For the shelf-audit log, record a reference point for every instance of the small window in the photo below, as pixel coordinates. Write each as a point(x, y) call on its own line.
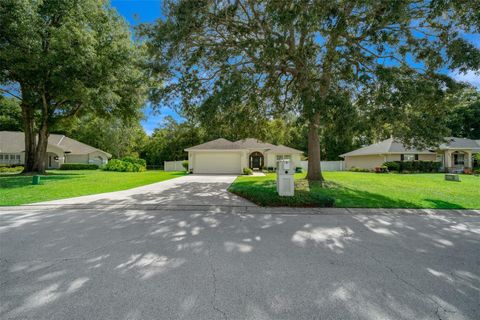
point(17, 157)
point(284, 157)
point(1, 156)
point(408, 157)
point(12, 157)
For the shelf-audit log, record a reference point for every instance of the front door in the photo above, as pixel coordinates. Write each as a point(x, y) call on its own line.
point(256, 160)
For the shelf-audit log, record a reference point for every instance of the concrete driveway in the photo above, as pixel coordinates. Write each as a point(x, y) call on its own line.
point(187, 190)
point(112, 262)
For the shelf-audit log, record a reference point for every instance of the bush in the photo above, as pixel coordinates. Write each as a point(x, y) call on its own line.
point(270, 169)
point(185, 165)
point(78, 166)
point(127, 164)
point(247, 171)
point(298, 170)
point(11, 169)
point(353, 169)
point(415, 166)
point(392, 166)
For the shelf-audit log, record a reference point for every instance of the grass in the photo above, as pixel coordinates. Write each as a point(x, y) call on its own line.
point(367, 190)
point(18, 189)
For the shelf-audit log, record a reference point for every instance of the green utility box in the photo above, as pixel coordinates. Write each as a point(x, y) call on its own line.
point(36, 180)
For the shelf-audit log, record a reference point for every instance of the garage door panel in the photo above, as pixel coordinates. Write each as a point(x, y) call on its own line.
point(216, 162)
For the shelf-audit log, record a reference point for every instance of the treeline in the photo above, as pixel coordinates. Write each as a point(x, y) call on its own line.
point(124, 138)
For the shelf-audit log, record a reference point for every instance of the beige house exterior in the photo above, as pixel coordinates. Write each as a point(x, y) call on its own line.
point(455, 154)
point(222, 156)
point(60, 149)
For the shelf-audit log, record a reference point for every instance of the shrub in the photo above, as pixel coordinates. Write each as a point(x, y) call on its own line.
point(418, 166)
point(353, 169)
point(298, 169)
point(392, 166)
point(247, 171)
point(78, 166)
point(476, 171)
point(270, 169)
point(127, 164)
point(11, 169)
point(135, 161)
point(185, 165)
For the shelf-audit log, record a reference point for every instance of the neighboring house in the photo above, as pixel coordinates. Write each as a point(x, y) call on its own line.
point(60, 149)
point(454, 154)
point(223, 156)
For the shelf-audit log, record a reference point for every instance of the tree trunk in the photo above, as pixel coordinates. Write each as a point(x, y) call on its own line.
point(41, 150)
point(314, 169)
point(30, 139)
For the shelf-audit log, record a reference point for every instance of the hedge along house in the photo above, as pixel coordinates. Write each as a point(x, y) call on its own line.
point(222, 156)
point(455, 154)
point(60, 149)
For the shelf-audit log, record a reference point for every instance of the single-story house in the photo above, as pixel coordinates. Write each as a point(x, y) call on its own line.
point(60, 149)
point(454, 154)
point(224, 156)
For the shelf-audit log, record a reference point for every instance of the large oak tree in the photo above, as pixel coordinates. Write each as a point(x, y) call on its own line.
point(64, 58)
point(299, 54)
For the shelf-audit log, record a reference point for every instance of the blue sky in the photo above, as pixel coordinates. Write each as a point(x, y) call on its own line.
point(139, 11)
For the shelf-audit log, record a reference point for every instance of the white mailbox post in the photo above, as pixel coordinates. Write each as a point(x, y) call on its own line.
point(285, 179)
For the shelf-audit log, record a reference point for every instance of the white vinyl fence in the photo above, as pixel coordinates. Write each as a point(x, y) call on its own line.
point(327, 165)
point(173, 165)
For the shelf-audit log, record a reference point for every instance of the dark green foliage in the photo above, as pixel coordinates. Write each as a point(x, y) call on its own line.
point(185, 165)
point(417, 166)
point(353, 169)
point(78, 166)
point(298, 170)
point(392, 166)
point(247, 171)
point(10, 114)
point(127, 164)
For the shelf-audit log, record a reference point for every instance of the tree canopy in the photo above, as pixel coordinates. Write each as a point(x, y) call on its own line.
point(66, 58)
point(277, 56)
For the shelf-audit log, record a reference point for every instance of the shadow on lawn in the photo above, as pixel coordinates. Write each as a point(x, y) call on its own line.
point(20, 180)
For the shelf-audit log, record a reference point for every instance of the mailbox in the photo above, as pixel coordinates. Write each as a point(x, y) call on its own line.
point(285, 178)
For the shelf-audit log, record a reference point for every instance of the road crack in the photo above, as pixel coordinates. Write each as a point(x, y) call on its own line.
point(214, 284)
point(438, 306)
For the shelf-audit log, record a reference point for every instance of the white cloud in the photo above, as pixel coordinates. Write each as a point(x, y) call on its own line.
point(471, 77)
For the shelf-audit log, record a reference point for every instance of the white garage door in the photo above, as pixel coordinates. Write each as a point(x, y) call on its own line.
point(217, 162)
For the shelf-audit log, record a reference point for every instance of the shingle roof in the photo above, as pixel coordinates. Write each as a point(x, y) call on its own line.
point(386, 146)
point(393, 146)
point(249, 143)
point(454, 143)
point(14, 141)
point(218, 144)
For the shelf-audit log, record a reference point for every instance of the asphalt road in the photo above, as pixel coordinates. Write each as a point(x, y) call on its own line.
point(180, 262)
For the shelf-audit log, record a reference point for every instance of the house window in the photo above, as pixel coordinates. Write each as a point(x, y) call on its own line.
point(12, 157)
point(459, 159)
point(284, 157)
point(409, 157)
point(1, 156)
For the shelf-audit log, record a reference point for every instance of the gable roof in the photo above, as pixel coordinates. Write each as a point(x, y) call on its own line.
point(249, 143)
point(393, 146)
point(14, 142)
point(217, 144)
point(462, 143)
point(386, 146)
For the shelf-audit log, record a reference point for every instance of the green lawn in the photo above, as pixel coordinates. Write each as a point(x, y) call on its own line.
point(368, 190)
point(59, 184)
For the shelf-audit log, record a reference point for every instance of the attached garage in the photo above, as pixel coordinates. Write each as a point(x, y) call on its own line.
point(217, 162)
